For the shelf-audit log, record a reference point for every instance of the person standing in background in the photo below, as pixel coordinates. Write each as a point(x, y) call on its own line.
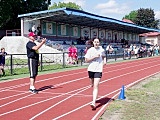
point(74, 54)
point(38, 32)
point(2, 61)
point(34, 29)
point(33, 59)
point(96, 58)
point(70, 57)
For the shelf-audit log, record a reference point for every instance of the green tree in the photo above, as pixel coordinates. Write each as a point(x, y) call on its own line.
point(68, 5)
point(158, 23)
point(146, 18)
point(131, 16)
point(10, 9)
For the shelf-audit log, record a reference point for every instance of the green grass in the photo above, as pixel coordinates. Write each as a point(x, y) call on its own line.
point(23, 72)
point(20, 66)
point(141, 103)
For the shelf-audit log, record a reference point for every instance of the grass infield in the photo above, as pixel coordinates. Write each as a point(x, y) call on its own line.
point(142, 102)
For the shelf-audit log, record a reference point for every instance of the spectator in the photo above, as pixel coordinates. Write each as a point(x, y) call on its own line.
point(156, 49)
point(70, 57)
point(59, 47)
point(64, 43)
point(38, 31)
point(109, 49)
point(74, 54)
point(2, 61)
point(141, 51)
point(150, 50)
point(136, 49)
point(34, 29)
point(126, 52)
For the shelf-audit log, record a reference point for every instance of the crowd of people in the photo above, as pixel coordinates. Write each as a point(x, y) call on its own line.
point(140, 51)
point(136, 50)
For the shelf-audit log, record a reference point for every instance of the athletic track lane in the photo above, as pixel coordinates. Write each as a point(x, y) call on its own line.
point(67, 95)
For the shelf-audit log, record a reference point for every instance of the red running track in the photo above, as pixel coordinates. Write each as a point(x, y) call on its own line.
point(67, 95)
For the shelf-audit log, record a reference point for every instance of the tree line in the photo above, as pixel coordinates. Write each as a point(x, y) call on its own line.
point(143, 17)
point(10, 9)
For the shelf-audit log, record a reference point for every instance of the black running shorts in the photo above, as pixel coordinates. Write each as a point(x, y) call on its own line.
point(33, 67)
point(94, 74)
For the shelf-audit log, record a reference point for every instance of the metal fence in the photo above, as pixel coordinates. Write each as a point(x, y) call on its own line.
point(17, 63)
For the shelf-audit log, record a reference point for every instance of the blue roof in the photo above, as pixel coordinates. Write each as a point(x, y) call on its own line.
point(82, 18)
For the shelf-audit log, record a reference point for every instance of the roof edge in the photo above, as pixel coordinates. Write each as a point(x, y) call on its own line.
point(40, 12)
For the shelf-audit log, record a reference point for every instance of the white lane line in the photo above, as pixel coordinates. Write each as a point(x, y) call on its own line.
point(104, 106)
point(94, 118)
point(15, 100)
point(32, 94)
point(74, 80)
point(83, 105)
point(61, 84)
point(20, 85)
point(141, 69)
point(100, 83)
point(53, 87)
point(64, 71)
point(58, 103)
point(126, 86)
point(66, 75)
point(65, 83)
point(51, 94)
point(42, 101)
point(24, 92)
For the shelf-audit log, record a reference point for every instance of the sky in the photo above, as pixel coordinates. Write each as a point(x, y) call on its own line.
point(116, 9)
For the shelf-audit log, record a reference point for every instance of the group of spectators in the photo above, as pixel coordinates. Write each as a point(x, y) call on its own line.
point(136, 50)
point(141, 51)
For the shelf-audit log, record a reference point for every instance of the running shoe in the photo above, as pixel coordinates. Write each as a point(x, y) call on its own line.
point(33, 91)
point(93, 106)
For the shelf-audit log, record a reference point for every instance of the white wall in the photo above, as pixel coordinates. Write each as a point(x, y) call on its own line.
point(17, 45)
point(153, 40)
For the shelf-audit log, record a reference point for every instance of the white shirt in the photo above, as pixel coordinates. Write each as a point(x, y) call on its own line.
point(109, 47)
point(95, 65)
point(136, 51)
point(33, 29)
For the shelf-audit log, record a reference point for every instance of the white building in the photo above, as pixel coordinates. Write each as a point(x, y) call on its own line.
point(152, 38)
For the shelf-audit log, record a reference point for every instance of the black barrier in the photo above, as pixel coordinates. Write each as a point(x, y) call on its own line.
point(11, 64)
point(41, 62)
point(16, 62)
